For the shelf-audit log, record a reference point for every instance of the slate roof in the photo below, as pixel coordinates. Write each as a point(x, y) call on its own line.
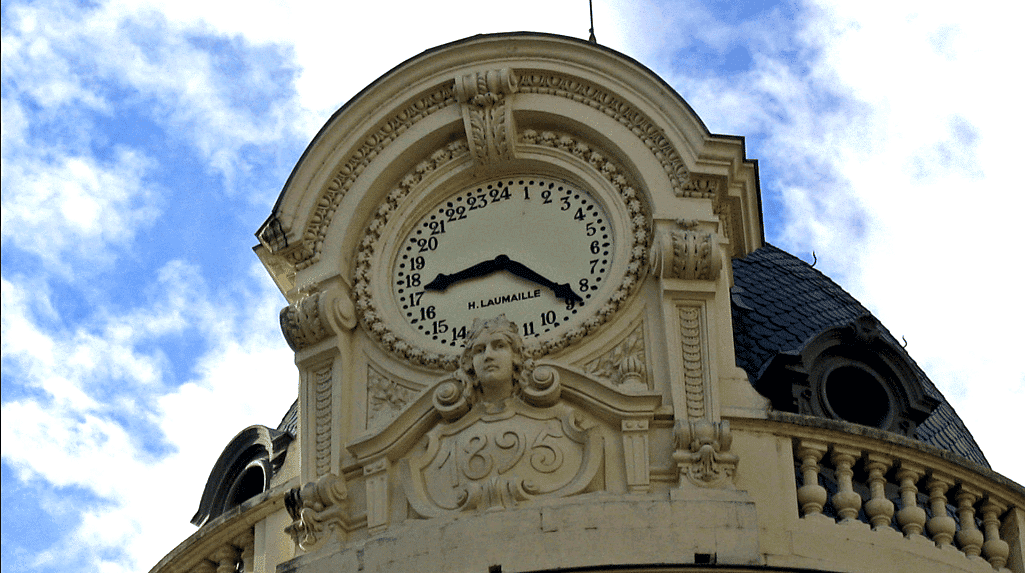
point(780, 303)
point(290, 422)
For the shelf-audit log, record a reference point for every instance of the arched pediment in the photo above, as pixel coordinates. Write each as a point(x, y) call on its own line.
point(487, 92)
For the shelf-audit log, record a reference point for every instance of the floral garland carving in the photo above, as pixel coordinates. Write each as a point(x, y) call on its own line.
point(640, 124)
point(312, 239)
point(366, 307)
point(640, 235)
point(639, 223)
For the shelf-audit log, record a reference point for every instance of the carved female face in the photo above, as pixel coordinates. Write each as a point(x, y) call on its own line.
point(493, 364)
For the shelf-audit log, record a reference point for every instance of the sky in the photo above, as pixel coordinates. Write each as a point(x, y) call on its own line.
point(144, 142)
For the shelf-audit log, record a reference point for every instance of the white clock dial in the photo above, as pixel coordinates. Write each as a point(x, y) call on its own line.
point(537, 249)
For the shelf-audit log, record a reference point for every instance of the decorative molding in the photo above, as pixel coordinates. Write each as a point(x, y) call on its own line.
point(317, 316)
point(323, 387)
point(701, 186)
point(693, 361)
point(386, 398)
point(625, 365)
point(702, 453)
point(686, 253)
point(489, 128)
point(307, 252)
point(315, 507)
point(548, 83)
point(487, 114)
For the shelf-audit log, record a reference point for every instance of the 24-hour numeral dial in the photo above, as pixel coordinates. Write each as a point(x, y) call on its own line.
point(536, 249)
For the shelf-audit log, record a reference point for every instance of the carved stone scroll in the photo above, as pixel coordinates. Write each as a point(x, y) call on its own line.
point(316, 317)
point(688, 254)
point(702, 453)
point(316, 507)
point(487, 114)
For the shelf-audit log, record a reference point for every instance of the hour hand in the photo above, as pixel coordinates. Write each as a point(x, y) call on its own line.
point(443, 281)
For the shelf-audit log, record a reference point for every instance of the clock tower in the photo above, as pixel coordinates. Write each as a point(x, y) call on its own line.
point(521, 275)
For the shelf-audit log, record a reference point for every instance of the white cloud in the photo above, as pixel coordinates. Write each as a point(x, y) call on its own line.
point(219, 93)
point(72, 435)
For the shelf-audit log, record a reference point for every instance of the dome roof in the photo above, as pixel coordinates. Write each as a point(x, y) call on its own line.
point(781, 304)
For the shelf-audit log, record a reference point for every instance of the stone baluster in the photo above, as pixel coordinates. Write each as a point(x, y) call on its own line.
point(878, 509)
point(846, 501)
point(226, 557)
point(247, 544)
point(911, 517)
point(941, 527)
point(970, 538)
point(811, 496)
point(994, 549)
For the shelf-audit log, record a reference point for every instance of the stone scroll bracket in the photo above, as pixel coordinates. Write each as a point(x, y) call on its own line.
point(484, 98)
point(316, 316)
point(703, 453)
point(317, 327)
point(702, 438)
point(687, 251)
point(319, 510)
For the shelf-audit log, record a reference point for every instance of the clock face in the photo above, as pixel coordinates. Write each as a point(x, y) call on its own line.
point(536, 249)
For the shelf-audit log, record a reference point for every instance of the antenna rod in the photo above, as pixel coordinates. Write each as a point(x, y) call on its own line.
point(590, 6)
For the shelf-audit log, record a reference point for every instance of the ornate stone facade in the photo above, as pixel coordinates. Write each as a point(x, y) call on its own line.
point(629, 439)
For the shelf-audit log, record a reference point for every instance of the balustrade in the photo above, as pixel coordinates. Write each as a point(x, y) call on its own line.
point(952, 512)
point(234, 557)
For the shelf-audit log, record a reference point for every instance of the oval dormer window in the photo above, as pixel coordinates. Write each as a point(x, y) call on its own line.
point(856, 394)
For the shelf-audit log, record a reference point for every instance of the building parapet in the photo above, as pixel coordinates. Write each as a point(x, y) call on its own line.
point(861, 477)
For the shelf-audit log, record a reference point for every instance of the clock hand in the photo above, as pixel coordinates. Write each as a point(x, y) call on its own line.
point(443, 281)
point(499, 263)
point(563, 291)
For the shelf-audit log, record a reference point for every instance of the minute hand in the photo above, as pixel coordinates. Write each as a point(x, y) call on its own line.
point(563, 291)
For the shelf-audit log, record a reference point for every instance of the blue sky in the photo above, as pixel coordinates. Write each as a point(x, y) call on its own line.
point(144, 142)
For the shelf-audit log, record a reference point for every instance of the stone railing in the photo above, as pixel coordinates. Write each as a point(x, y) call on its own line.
point(225, 544)
point(861, 477)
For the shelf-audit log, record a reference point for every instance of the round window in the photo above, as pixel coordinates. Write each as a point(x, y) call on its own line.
point(855, 394)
